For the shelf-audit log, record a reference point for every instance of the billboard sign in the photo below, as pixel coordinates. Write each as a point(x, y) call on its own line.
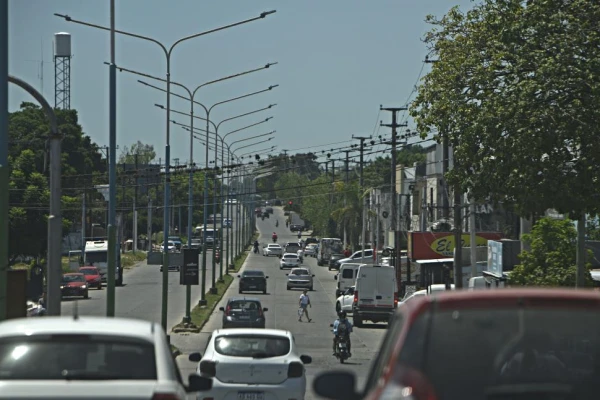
point(495, 257)
point(433, 245)
point(189, 273)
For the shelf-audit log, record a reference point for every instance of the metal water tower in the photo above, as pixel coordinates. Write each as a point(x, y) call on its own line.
point(62, 70)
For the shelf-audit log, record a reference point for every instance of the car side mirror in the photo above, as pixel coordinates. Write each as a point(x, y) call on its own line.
point(339, 385)
point(266, 277)
point(239, 276)
point(265, 309)
point(331, 325)
point(195, 357)
point(287, 274)
point(221, 308)
point(305, 359)
point(313, 275)
point(197, 383)
point(335, 277)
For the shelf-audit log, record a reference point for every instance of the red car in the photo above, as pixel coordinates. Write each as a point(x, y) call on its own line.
point(92, 276)
point(484, 344)
point(74, 285)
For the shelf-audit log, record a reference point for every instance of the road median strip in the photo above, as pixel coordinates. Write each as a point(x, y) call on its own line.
point(201, 314)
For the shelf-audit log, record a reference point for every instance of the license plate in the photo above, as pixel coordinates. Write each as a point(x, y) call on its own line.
point(251, 396)
point(244, 317)
point(252, 287)
point(342, 346)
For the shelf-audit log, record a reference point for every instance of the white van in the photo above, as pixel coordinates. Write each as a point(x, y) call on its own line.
point(346, 277)
point(376, 294)
point(477, 283)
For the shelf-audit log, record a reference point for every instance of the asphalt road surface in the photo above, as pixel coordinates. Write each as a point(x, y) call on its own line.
point(141, 294)
point(314, 338)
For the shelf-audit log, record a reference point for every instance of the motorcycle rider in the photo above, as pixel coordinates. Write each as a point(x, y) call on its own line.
point(342, 327)
point(256, 246)
point(276, 223)
point(274, 237)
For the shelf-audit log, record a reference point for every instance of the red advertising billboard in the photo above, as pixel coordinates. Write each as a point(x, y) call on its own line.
point(432, 245)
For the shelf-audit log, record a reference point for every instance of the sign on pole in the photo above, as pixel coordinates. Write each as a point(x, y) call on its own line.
point(189, 272)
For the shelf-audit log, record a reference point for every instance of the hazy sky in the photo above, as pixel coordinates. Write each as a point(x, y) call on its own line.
point(338, 61)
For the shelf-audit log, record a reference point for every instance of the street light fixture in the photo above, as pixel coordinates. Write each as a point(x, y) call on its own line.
point(110, 302)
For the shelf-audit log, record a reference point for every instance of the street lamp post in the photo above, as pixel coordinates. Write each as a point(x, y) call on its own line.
point(110, 302)
point(192, 94)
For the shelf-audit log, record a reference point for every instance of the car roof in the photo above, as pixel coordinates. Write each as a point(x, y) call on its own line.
point(274, 245)
point(252, 331)
point(82, 325)
point(84, 267)
point(297, 268)
point(290, 254)
point(73, 273)
point(499, 298)
point(242, 298)
point(252, 270)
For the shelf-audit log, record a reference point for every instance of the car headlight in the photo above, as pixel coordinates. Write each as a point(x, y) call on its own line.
point(83, 286)
point(62, 286)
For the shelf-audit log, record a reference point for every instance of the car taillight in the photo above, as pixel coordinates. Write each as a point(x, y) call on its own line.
point(208, 368)
point(227, 310)
point(295, 370)
point(356, 296)
point(165, 396)
point(395, 299)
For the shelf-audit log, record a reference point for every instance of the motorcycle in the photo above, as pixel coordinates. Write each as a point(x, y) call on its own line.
point(341, 349)
point(274, 239)
point(277, 223)
point(255, 249)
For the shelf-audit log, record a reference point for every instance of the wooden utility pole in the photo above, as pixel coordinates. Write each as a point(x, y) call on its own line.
point(361, 184)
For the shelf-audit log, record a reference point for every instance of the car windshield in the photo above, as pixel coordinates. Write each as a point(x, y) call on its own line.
point(290, 256)
point(89, 271)
point(255, 346)
point(300, 272)
point(503, 352)
point(253, 273)
point(247, 305)
point(73, 278)
point(274, 246)
point(76, 357)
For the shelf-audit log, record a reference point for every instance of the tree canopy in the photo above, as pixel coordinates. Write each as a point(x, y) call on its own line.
point(552, 258)
point(516, 90)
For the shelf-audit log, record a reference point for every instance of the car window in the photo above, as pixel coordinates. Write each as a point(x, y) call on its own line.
point(290, 256)
point(300, 272)
point(89, 271)
point(253, 273)
point(503, 350)
point(348, 273)
point(73, 278)
point(255, 346)
point(59, 357)
point(244, 305)
point(385, 351)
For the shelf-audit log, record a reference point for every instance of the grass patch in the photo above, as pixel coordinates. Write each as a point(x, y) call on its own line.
point(129, 259)
point(200, 315)
point(175, 351)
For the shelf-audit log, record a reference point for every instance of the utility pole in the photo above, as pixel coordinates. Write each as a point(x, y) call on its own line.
point(394, 125)
point(135, 200)
point(458, 282)
point(361, 184)
point(346, 183)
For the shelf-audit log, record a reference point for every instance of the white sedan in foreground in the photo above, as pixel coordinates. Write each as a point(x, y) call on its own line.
point(89, 357)
point(272, 250)
point(252, 364)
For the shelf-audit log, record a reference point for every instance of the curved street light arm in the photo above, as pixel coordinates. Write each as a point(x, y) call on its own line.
point(253, 137)
point(131, 71)
point(255, 152)
point(246, 127)
point(245, 114)
point(242, 97)
point(253, 144)
point(266, 66)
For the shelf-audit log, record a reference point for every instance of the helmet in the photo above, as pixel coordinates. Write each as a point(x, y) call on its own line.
point(342, 314)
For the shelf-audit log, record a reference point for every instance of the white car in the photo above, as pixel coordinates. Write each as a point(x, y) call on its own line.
point(310, 250)
point(272, 250)
point(252, 364)
point(345, 301)
point(170, 246)
point(300, 278)
point(89, 357)
point(289, 260)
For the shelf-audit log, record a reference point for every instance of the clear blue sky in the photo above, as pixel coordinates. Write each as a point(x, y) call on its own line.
point(338, 61)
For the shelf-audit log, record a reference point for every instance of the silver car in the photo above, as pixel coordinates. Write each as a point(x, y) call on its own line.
point(300, 278)
point(272, 250)
point(289, 260)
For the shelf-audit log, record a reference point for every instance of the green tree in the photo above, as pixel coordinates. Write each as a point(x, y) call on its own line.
point(551, 261)
point(29, 195)
point(516, 91)
point(145, 154)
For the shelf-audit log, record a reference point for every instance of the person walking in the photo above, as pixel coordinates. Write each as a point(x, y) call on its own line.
point(304, 303)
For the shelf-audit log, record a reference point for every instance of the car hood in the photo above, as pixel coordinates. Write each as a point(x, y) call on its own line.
point(343, 260)
point(73, 284)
